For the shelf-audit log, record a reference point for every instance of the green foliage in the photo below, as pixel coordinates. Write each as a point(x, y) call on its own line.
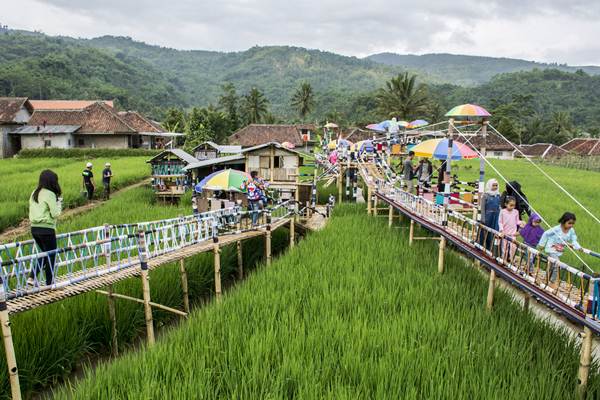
point(255, 106)
point(352, 312)
point(204, 124)
point(85, 153)
point(303, 99)
point(229, 103)
point(403, 98)
point(174, 120)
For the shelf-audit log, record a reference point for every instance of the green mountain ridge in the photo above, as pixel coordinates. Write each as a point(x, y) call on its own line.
point(469, 70)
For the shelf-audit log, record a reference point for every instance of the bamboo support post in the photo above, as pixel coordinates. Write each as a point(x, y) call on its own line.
point(112, 313)
point(442, 247)
point(184, 286)
point(491, 288)
point(145, 286)
point(9, 349)
point(584, 362)
point(526, 302)
point(141, 301)
point(411, 232)
point(340, 184)
point(217, 255)
point(391, 216)
point(292, 233)
point(369, 197)
point(240, 260)
point(268, 245)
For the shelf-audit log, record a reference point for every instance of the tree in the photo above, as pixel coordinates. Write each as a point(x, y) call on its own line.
point(561, 127)
point(205, 124)
point(304, 99)
point(228, 102)
point(254, 105)
point(402, 97)
point(174, 120)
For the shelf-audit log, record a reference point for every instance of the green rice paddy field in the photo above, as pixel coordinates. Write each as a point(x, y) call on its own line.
point(20, 177)
point(351, 312)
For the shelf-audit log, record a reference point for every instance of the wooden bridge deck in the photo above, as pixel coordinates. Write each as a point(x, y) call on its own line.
point(30, 301)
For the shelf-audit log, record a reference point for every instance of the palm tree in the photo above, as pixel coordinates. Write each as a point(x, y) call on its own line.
point(255, 106)
point(402, 97)
point(304, 99)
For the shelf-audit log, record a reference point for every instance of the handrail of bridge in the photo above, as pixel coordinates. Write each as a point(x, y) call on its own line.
point(575, 289)
point(101, 250)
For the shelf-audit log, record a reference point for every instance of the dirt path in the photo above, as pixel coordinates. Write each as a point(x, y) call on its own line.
point(11, 234)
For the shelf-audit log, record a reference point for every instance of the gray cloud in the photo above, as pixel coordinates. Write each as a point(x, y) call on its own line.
point(545, 30)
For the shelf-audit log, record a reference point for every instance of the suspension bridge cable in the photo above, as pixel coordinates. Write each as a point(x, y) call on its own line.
point(565, 191)
point(526, 201)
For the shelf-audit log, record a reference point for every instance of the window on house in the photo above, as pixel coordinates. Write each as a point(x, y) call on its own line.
point(498, 154)
point(80, 142)
point(69, 142)
point(47, 143)
point(278, 162)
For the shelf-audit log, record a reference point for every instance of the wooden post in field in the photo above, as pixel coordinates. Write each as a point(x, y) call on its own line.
point(9, 349)
point(217, 254)
point(340, 184)
point(369, 196)
point(145, 285)
point(112, 312)
point(240, 260)
point(268, 245)
point(526, 302)
point(491, 288)
point(441, 254)
point(292, 232)
point(411, 232)
point(584, 362)
point(184, 286)
point(391, 216)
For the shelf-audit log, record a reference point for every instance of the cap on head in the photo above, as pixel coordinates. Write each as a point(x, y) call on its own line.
point(88, 165)
point(107, 164)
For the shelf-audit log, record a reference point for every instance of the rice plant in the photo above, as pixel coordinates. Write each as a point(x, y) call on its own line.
point(351, 312)
point(51, 341)
point(20, 178)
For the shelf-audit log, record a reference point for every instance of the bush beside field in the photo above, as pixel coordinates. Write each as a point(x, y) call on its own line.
point(351, 312)
point(86, 153)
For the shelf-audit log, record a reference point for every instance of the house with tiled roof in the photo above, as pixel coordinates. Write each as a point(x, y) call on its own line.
point(97, 125)
point(14, 113)
point(495, 147)
point(66, 104)
point(540, 150)
point(583, 146)
point(257, 134)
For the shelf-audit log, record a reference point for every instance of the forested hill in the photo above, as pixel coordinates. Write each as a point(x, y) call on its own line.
point(469, 70)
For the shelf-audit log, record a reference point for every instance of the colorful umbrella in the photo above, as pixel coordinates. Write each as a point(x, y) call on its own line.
point(364, 145)
point(403, 124)
point(438, 148)
point(417, 123)
point(288, 145)
point(468, 110)
point(375, 127)
point(228, 180)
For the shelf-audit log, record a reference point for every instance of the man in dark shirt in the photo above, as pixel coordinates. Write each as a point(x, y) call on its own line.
point(106, 176)
point(88, 180)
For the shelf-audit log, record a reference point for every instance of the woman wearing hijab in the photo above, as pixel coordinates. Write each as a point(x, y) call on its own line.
point(513, 189)
point(490, 211)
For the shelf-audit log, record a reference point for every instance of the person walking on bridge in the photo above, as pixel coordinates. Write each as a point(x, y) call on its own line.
point(45, 205)
point(253, 189)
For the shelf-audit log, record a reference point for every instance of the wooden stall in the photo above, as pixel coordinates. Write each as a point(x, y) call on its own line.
point(169, 178)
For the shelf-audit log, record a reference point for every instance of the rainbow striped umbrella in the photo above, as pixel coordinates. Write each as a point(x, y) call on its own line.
point(417, 123)
point(375, 127)
point(438, 148)
point(403, 124)
point(228, 180)
point(468, 110)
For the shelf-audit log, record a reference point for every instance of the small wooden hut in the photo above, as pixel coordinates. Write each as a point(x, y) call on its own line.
point(169, 178)
point(210, 150)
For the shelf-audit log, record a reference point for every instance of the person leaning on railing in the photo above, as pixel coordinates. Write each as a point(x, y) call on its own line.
point(45, 205)
point(555, 239)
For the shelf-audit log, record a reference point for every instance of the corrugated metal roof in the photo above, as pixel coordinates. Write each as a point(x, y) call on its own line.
point(214, 161)
point(40, 129)
point(223, 148)
point(182, 155)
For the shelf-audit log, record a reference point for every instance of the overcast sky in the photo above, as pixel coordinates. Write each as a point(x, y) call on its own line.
point(565, 31)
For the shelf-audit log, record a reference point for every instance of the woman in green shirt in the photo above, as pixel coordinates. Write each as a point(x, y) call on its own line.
point(45, 205)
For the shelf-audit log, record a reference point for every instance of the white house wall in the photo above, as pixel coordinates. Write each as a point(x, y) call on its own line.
point(501, 155)
point(58, 141)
